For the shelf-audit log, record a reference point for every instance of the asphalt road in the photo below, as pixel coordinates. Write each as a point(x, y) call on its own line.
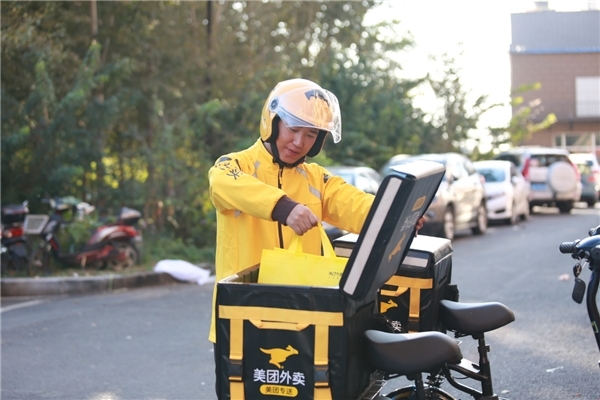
point(150, 343)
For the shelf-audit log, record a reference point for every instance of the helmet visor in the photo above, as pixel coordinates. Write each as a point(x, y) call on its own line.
point(309, 108)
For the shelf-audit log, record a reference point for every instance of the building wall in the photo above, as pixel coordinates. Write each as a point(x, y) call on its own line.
point(554, 49)
point(556, 73)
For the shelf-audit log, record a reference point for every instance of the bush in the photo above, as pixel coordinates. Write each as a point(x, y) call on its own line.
point(160, 247)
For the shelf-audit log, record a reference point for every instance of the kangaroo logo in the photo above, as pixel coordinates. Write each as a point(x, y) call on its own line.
point(279, 356)
point(397, 248)
point(386, 306)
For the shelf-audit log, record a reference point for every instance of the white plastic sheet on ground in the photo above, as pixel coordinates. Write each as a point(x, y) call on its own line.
point(183, 271)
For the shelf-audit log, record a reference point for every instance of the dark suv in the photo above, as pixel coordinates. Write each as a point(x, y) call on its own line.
point(553, 176)
point(460, 200)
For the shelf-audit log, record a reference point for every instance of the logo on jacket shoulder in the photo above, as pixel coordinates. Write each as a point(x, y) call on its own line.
point(227, 164)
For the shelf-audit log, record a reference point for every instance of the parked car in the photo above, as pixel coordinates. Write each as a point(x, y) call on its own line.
point(506, 190)
point(589, 170)
point(364, 178)
point(395, 160)
point(554, 179)
point(460, 200)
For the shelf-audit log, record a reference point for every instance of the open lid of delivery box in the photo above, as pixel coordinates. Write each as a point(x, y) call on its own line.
point(389, 229)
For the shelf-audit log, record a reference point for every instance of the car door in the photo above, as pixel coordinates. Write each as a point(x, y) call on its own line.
point(521, 189)
point(461, 191)
point(476, 191)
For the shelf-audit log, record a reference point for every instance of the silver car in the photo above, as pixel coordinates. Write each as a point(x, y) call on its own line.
point(364, 178)
point(460, 202)
point(589, 169)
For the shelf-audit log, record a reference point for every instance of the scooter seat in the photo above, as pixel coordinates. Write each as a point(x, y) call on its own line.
point(474, 318)
point(410, 353)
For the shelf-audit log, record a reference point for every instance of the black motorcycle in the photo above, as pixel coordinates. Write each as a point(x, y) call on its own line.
point(16, 248)
point(586, 252)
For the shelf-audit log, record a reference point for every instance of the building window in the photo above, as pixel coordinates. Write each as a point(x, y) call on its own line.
point(587, 91)
point(583, 142)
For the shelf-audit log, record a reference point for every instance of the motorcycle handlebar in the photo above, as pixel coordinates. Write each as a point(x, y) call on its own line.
point(567, 247)
point(584, 249)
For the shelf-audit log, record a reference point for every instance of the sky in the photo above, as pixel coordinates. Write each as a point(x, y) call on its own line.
point(480, 29)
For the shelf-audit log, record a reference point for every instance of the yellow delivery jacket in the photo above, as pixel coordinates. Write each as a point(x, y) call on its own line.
point(244, 188)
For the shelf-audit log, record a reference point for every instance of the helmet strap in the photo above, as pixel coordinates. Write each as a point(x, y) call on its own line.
point(318, 145)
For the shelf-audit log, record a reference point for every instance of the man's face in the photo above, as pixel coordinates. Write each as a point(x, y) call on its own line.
point(293, 143)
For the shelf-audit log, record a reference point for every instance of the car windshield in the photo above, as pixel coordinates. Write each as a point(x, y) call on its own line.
point(514, 158)
point(584, 168)
point(492, 175)
point(545, 160)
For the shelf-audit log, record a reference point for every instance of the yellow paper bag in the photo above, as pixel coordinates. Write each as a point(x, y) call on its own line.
point(292, 267)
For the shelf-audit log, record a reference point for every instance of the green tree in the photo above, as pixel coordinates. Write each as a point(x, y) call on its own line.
point(130, 103)
point(458, 115)
point(521, 125)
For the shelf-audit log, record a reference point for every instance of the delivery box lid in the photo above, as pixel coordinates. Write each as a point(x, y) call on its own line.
point(423, 251)
point(389, 229)
point(426, 251)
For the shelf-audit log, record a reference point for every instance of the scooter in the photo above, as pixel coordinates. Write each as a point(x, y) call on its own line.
point(116, 245)
point(437, 355)
point(587, 251)
point(16, 247)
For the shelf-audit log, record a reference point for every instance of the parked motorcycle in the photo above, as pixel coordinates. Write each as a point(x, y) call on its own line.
point(587, 252)
point(115, 245)
point(16, 248)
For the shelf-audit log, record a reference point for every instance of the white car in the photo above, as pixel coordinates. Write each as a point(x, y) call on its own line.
point(507, 191)
point(553, 177)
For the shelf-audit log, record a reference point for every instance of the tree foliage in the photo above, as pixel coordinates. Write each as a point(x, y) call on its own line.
point(130, 102)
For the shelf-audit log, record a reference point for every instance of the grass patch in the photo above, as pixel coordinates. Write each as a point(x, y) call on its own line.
point(154, 249)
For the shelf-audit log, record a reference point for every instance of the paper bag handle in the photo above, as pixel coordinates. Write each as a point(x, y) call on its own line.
point(296, 244)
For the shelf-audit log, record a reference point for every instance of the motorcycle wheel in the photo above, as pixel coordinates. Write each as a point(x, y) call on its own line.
point(41, 262)
point(15, 260)
point(409, 393)
point(3, 264)
point(131, 257)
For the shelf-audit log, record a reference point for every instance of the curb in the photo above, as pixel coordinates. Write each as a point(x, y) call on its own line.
point(10, 287)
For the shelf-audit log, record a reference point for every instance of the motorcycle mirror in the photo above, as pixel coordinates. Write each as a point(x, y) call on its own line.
point(578, 291)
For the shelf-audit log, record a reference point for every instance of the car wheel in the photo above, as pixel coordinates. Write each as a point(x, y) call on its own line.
point(448, 225)
point(482, 220)
point(525, 216)
point(514, 216)
point(129, 254)
point(592, 202)
point(565, 207)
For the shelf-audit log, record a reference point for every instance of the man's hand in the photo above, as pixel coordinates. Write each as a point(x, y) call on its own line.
point(419, 225)
point(301, 219)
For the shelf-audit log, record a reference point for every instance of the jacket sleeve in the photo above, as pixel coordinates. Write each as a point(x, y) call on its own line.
point(344, 205)
point(233, 187)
